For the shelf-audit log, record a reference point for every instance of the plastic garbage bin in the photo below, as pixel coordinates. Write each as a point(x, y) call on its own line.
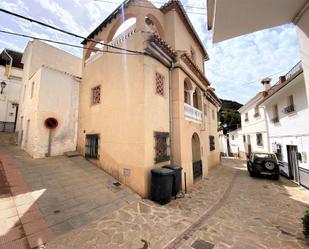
point(177, 178)
point(161, 185)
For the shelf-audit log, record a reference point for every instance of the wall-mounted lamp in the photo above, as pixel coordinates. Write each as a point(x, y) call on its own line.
point(2, 85)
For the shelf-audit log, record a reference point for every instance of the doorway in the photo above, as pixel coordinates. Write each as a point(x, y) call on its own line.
point(196, 157)
point(293, 163)
point(249, 145)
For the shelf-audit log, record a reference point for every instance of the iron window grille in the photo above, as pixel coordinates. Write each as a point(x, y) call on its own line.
point(160, 84)
point(92, 146)
point(212, 145)
point(162, 153)
point(96, 95)
point(289, 109)
point(244, 138)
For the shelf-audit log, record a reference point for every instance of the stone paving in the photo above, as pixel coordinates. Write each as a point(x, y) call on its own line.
point(49, 197)
point(227, 210)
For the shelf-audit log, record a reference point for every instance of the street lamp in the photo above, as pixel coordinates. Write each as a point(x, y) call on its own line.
point(3, 85)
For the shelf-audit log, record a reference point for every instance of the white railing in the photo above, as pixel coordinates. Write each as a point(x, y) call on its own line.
point(193, 114)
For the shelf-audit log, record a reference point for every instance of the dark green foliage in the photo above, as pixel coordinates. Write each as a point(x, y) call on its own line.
point(229, 116)
point(306, 224)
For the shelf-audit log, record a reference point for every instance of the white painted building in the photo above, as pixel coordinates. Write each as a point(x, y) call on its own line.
point(233, 143)
point(233, 18)
point(287, 115)
point(11, 71)
point(50, 89)
point(223, 144)
point(253, 136)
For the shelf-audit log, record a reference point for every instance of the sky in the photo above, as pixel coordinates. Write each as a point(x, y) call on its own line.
point(235, 68)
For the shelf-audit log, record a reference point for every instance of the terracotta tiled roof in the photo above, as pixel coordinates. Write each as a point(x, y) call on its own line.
point(197, 71)
point(5, 60)
point(163, 45)
point(279, 85)
point(177, 6)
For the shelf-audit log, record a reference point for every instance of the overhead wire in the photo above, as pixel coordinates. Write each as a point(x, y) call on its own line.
point(67, 44)
point(66, 32)
point(149, 7)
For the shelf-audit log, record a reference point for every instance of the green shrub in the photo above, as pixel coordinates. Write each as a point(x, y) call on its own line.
point(306, 224)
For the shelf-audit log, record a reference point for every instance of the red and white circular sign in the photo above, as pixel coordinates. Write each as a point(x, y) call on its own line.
point(51, 123)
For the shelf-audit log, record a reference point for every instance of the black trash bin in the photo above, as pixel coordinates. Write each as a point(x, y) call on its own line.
point(177, 178)
point(161, 185)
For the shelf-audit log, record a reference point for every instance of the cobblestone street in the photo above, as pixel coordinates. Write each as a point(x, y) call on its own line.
point(229, 209)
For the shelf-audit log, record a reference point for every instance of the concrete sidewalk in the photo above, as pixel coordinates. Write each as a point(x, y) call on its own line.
point(49, 197)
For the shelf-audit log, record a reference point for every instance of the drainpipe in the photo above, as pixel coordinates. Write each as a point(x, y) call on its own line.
point(171, 110)
point(156, 53)
point(11, 63)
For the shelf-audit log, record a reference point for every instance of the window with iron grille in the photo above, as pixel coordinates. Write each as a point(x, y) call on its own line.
point(212, 145)
point(92, 146)
point(96, 95)
point(259, 139)
point(160, 84)
point(162, 147)
point(244, 138)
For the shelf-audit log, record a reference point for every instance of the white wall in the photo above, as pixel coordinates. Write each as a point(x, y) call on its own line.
point(56, 95)
point(10, 95)
point(252, 127)
point(292, 129)
point(223, 145)
point(234, 142)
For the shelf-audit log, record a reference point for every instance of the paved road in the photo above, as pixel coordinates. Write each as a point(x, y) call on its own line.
point(43, 198)
point(227, 210)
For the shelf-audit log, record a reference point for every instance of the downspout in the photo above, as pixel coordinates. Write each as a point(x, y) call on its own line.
point(171, 68)
point(156, 53)
point(11, 63)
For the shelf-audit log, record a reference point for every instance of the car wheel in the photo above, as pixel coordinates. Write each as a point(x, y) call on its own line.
point(276, 177)
point(252, 174)
point(270, 165)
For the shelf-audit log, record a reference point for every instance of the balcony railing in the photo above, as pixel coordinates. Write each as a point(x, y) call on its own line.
point(193, 114)
point(296, 69)
point(289, 109)
point(275, 120)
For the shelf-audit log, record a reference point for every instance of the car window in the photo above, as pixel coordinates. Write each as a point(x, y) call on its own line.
point(264, 156)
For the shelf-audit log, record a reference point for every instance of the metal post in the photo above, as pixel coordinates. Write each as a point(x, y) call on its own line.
point(185, 176)
point(49, 142)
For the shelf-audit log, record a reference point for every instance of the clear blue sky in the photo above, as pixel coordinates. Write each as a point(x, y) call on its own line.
point(235, 66)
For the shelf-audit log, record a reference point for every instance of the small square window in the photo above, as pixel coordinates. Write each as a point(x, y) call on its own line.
point(160, 84)
point(96, 95)
point(162, 147)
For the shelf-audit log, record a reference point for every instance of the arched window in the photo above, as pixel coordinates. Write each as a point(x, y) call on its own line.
point(125, 26)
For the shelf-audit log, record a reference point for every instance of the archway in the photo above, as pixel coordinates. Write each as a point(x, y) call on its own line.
point(152, 25)
point(196, 156)
point(124, 26)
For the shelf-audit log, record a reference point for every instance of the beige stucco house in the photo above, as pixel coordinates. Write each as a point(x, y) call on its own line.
point(50, 89)
point(143, 110)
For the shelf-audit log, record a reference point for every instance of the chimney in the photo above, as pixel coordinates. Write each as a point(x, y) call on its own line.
point(266, 84)
point(282, 79)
